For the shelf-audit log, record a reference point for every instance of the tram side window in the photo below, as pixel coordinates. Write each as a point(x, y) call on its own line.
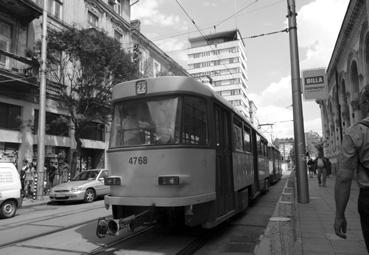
point(258, 142)
point(237, 136)
point(194, 121)
point(264, 149)
point(246, 140)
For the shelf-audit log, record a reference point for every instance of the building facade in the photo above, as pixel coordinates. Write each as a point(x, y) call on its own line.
point(347, 74)
point(153, 61)
point(222, 58)
point(21, 27)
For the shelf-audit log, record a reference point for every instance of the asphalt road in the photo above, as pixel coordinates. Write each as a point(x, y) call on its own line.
point(70, 229)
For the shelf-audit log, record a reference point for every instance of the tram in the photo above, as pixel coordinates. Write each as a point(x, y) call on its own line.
point(275, 164)
point(179, 153)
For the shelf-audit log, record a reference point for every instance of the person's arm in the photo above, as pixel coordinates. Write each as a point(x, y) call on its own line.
point(342, 195)
point(343, 184)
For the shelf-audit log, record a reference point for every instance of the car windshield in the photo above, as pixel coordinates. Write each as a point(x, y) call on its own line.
point(86, 175)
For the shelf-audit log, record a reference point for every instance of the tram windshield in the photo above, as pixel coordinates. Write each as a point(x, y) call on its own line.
point(159, 121)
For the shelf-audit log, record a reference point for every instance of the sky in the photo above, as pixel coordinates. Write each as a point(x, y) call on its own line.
point(166, 23)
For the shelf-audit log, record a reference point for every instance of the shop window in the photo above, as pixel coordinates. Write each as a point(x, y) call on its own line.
point(55, 124)
point(94, 131)
point(10, 116)
point(194, 129)
point(9, 152)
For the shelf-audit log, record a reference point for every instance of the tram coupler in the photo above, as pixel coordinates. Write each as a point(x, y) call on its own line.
point(109, 226)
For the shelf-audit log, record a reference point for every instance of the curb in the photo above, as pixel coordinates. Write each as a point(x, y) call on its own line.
point(280, 235)
point(30, 203)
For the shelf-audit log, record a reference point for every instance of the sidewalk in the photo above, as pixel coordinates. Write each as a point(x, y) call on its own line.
point(315, 221)
point(28, 202)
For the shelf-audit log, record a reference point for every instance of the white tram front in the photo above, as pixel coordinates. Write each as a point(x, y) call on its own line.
point(179, 153)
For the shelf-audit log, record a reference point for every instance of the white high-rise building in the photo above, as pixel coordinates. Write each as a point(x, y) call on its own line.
point(221, 58)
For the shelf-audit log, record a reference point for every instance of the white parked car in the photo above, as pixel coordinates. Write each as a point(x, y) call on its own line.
point(87, 186)
point(10, 190)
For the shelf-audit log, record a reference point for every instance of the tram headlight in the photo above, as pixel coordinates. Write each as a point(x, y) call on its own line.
point(168, 180)
point(112, 180)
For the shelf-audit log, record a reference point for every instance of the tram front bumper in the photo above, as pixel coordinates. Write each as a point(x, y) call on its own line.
point(158, 201)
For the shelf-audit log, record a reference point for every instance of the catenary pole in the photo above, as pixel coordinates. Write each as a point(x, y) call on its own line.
point(42, 105)
point(298, 119)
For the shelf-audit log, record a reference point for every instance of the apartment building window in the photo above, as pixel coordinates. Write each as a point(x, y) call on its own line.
point(94, 131)
point(117, 35)
point(10, 116)
point(197, 55)
point(233, 49)
point(205, 64)
point(92, 19)
point(56, 124)
point(233, 60)
point(54, 7)
point(235, 92)
point(118, 7)
point(5, 41)
point(216, 52)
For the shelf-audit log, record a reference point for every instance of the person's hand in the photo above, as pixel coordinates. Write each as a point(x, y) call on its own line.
point(340, 227)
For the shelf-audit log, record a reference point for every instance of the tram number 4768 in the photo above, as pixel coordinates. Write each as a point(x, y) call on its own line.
point(137, 160)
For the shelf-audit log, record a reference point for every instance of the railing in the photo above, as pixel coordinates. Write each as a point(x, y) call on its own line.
point(19, 65)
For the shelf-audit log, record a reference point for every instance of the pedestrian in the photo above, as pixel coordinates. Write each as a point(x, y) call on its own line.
point(321, 165)
point(310, 165)
point(354, 158)
point(22, 176)
point(51, 173)
point(29, 180)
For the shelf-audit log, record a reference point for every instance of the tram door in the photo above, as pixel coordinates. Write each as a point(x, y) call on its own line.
point(224, 176)
point(256, 149)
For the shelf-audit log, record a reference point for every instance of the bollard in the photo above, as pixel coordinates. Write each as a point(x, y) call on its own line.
point(281, 235)
point(35, 188)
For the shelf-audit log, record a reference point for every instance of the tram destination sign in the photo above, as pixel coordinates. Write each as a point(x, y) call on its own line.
point(315, 84)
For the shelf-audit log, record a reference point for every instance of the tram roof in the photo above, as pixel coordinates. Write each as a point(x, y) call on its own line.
point(161, 85)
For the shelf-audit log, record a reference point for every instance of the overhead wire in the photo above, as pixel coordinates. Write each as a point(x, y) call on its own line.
point(234, 14)
point(212, 26)
point(202, 35)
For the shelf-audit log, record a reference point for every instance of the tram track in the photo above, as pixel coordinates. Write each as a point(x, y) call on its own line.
point(47, 217)
point(5, 245)
point(136, 233)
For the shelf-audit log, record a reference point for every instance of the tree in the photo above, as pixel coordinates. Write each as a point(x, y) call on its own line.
point(83, 65)
point(312, 140)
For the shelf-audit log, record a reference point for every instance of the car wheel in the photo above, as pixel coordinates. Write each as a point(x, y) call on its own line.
point(8, 209)
point(90, 195)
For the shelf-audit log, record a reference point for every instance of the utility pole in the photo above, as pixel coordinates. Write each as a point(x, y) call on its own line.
point(298, 119)
point(42, 106)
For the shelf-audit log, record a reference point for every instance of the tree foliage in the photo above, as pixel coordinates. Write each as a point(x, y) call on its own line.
point(84, 64)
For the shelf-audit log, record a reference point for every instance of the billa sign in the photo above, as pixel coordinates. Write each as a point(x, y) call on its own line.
point(315, 84)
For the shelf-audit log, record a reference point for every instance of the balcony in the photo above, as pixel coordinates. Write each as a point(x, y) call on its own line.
point(18, 75)
point(24, 10)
